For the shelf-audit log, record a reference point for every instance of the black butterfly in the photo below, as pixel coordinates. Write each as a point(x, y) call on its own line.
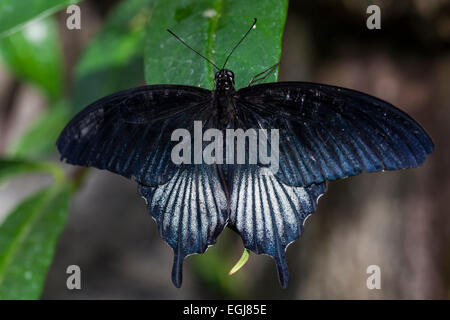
point(325, 133)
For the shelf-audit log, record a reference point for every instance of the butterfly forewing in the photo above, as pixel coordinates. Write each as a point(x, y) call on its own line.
point(327, 132)
point(129, 132)
point(323, 133)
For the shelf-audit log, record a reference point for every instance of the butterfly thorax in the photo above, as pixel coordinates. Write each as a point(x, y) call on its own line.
point(223, 96)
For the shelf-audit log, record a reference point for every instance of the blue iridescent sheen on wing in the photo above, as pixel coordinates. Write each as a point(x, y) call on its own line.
point(327, 132)
point(269, 214)
point(190, 210)
point(129, 132)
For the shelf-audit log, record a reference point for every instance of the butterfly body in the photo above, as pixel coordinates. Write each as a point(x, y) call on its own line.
point(223, 97)
point(320, 133)
point(325, 133)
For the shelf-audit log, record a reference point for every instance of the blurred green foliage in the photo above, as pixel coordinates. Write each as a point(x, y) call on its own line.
point(133, 39)
point(39, 139)
point(34, 55)
point(15, 13)
point(114, 59)
point(28, 238)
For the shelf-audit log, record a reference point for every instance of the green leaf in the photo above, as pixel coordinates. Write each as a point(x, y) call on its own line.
point(212, 268)
point(15, 13)
point(34, 54)
point(40, 139)
point(28, 238)
point(14, 167)
point(213, 28)
point(114, 60)
point(242, 261)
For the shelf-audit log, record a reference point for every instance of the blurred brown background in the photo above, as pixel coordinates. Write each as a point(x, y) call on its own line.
point(396, 220)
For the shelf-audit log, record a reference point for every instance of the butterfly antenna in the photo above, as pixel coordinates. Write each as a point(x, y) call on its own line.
point(240, 41)
point(183, 42)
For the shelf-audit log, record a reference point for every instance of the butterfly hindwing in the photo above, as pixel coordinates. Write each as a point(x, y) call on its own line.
point(190, 210)
point(129, 132)
point(324, 133)
point(269, 214)
point(328, 132)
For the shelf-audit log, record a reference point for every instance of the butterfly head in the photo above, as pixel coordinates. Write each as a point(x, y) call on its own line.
point(224, 80)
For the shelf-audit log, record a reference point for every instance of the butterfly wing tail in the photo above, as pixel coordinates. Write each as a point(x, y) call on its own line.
point(177, 268)
point(282, 268)
point(272, 215)
point(190, 210)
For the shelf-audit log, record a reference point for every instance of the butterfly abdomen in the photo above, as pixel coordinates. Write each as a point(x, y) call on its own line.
point(225, 108)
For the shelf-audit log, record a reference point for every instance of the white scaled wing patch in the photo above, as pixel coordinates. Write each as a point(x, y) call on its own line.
point(269, 214)
point(190, 211)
